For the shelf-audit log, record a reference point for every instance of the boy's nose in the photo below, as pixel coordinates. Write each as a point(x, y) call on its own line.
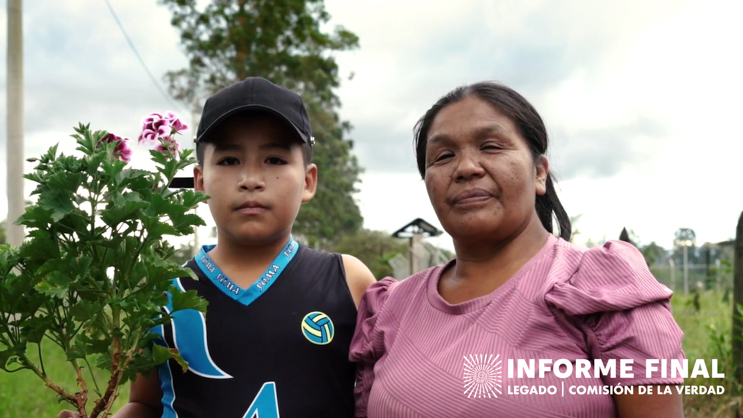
point(251, 180)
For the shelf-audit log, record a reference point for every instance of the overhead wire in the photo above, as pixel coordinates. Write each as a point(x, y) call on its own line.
point(139, 57)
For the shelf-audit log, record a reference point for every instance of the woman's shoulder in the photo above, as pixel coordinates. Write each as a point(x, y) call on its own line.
point(612, 276)
point(390, 290)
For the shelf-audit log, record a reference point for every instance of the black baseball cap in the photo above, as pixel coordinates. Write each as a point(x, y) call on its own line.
point(250, 95)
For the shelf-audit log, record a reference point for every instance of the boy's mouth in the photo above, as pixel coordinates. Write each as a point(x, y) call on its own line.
point(251, 208)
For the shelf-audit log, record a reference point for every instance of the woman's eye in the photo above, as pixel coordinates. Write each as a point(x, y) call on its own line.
point(275, 161)
point(490, 146)
point(228, 161)
point(443, 157)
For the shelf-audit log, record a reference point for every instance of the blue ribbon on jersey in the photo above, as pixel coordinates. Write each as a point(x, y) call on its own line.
point(229, 288)
point(189, 337)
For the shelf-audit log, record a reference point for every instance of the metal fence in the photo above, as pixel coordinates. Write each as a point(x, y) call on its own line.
point(426, 256)
point(699, 276)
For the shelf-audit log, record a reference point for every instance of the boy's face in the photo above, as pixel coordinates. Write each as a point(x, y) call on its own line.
point(256, 177)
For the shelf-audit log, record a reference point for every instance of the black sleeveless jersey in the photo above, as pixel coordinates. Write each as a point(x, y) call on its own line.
point(283, 354)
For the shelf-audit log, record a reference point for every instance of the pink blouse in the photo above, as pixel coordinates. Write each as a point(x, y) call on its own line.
point(419, 356)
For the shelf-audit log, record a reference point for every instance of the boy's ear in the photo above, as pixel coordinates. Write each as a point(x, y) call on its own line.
point(198, 178)
point(310, 183)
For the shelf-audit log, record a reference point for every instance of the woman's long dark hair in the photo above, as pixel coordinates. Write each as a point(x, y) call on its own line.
point(531, 127)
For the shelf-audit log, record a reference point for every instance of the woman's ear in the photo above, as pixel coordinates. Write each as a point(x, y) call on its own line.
point(542, 169)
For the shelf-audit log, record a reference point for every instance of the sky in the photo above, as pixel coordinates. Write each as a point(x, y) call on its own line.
point(641, 99)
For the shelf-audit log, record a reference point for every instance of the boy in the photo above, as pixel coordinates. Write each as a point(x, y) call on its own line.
point(280, 315)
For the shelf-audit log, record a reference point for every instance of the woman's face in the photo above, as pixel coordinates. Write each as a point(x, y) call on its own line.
point(480, 174)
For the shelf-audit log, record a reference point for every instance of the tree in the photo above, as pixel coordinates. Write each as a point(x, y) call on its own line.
point(653, 253)
point(373, 248)
point(2, 232)
point(624, 236)
point(280, 40)
point(182, 254)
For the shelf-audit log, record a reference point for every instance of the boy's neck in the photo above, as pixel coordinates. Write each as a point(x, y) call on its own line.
point(230, 255)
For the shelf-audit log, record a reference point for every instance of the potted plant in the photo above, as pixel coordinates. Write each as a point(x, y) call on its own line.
point(94, 272)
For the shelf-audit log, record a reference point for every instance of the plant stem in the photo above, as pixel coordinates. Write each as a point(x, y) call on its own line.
point(116, 368)
point(127, 359)
point(92, 376)
point(113, 382)
point(82, 396)
point(41, 359)
point(110, 403)
point(51, 385)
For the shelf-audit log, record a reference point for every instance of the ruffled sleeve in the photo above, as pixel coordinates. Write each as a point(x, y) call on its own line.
point(623, 310)
point(367, 345)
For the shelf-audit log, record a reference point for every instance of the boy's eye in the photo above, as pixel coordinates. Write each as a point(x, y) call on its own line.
point(275, 161)
point(228, 161)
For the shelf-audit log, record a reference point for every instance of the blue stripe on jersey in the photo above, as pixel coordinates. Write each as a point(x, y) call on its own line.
point(189, 327)
point(166, 377)
point(166, 383)
point(229, 288)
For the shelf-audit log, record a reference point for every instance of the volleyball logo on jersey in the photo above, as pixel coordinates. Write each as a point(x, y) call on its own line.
point(318, 328)
point(482, 376)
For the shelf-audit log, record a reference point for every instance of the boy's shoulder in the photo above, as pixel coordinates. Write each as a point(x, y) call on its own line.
point(358, 275)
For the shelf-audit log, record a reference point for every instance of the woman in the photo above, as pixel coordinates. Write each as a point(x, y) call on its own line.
point(438, 344)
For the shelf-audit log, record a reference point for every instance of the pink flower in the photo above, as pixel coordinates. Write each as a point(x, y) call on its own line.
point(167, 146)
point(176, 123)
point(160, 127)
point(122, 150)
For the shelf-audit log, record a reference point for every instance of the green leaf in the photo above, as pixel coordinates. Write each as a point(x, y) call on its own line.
point(36, 334)
point(157, 229)
point(191, 198)
point(54, 284)
point(113, 169)
point(158, 206)
point(158, 157)
point(58, 201)
point(162, 354)
point(76, 222)
point(122, 208)
point(84, 310)
point(36, 217)
point(40, 248)
point(188, 300)
point(66, 181)
point(135, 179)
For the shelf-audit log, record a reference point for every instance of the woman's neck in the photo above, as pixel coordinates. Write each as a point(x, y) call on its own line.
point(489, 265)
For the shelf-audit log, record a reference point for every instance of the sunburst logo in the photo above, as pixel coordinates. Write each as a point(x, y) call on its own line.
point(482, 376)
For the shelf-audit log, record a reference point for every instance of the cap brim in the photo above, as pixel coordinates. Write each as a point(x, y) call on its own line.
point(246, 109)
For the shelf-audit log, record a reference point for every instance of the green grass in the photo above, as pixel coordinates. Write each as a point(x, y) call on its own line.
point(697, 344)
point(713, 311)
point(23, 394)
